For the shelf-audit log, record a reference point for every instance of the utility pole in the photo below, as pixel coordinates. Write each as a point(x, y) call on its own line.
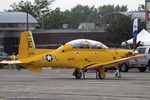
point(27, 5)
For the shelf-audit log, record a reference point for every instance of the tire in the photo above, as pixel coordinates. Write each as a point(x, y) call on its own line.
point(101, 76)
point(142, 69)
point(124, 68)
point(78, 74)
point(149, 65)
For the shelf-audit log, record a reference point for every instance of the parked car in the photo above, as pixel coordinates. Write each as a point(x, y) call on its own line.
point(4, 56)
point(140, 63)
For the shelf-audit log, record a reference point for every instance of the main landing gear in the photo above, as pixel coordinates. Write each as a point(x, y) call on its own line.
point(100, 73)
point(78, 73)
point(117, 73)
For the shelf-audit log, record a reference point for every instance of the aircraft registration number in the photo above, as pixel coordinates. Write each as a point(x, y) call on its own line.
point(71, 59)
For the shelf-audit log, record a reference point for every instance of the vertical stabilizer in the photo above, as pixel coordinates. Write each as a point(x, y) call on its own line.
point(26, 46)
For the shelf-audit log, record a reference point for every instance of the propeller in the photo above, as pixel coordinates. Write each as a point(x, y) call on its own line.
point(137, 46)
point(133, 52)
point(129, 47)
point(127, 44)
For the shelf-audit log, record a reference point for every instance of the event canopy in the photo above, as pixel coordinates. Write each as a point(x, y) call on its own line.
point(143, 36)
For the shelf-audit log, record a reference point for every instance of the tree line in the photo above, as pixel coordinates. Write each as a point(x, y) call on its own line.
point(54, 19)
point(119, 30)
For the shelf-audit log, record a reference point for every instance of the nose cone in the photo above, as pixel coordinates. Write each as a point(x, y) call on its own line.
point(135, 52)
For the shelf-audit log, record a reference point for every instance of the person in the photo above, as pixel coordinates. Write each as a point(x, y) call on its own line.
point(13, 56)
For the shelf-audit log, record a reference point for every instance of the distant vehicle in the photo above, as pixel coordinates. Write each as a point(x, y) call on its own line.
point(4, 56)
point(140, 63)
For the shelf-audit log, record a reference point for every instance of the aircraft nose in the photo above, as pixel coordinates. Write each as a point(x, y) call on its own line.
point(129, 54)
point(135, 52)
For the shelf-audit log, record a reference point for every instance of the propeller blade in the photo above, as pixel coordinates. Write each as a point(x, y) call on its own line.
point(127, 44)
point(137, 45)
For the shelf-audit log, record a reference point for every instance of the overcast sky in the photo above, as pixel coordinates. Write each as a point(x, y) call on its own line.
point(67, 4)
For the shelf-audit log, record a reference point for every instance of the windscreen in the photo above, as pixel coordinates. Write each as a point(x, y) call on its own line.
point(85, 43)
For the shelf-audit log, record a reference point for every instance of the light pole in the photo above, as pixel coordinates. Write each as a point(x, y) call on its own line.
point(43, 22)
point(27, 22)
point(27, 17)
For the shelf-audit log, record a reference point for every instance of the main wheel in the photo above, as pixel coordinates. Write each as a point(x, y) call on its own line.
point(101, 76)
point(149, 65)
point(124, 68)
point(142, 69)
point(78, 74)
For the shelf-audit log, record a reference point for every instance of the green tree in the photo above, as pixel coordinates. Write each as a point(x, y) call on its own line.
point(57, 18)
point(102, 10)
point(81, 14)
point(54, 20)
point(69, 19)
point(48, 18)
point(93, 16)
point(141, 8)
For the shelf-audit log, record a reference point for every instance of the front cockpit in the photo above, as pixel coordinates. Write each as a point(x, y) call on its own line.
point(86, 43)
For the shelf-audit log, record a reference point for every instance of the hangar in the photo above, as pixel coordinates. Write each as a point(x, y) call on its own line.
point(11, 24)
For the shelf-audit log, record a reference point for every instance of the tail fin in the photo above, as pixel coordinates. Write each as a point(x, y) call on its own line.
point(26, 46)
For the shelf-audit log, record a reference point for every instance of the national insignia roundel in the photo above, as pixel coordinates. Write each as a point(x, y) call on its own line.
point(49, 57)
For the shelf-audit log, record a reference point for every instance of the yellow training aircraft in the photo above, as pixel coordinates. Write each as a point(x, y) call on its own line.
point(81, 55)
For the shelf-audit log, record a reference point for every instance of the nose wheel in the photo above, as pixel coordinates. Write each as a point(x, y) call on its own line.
point(117, 74)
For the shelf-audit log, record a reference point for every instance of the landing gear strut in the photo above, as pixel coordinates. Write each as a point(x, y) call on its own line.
point(101, 73)
point(117, 73)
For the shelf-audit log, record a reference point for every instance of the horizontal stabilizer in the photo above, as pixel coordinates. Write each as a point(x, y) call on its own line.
point(11, 62)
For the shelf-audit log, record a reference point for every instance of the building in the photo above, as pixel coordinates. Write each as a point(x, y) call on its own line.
point(11, 24)
point(57, 37)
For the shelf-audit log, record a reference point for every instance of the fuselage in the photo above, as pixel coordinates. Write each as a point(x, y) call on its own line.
point(68, 57)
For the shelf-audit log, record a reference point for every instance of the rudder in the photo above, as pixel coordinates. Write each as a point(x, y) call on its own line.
point(27, 45)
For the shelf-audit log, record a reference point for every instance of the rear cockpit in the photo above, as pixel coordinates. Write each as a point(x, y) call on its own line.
point(85, 43)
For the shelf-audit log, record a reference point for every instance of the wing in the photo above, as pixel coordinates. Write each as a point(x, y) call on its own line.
point(114, 62)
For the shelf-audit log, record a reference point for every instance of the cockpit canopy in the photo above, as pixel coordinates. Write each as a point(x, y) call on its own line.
point(85, 43)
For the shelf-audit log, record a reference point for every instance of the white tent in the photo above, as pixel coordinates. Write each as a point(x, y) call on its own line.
point(143, 36)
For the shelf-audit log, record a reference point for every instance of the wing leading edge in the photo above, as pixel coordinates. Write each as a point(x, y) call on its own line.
point(114, 62)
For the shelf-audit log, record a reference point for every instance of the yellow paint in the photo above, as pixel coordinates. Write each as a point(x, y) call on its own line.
point(67, 56)
point(27, 46)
